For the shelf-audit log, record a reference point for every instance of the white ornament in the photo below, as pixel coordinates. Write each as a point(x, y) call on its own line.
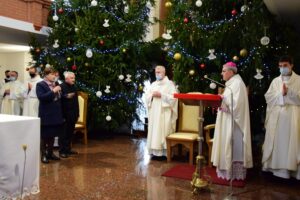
point(107, 90)
point(198, 3)
point(148, 4)
point(76, 29)
point(265, 40)
point(33, 62)
point(106, 24)
point(167, 35)
point(94, 3)
point(55, 18)
point(126, 9)
point(212, 86)
point(211, 55)
point(121, 77)
point(89, 53)
point(244, 8)
point(108, 118)
point(258, 76)
point(99, 94)
point(128, 79)
point(55, 45)
point(48, 65)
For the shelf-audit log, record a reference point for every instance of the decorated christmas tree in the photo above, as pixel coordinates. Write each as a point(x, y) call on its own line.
point(102, 42)
point(200, 36)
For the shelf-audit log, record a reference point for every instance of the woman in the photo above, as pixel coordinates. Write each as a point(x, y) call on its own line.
point(50, 113)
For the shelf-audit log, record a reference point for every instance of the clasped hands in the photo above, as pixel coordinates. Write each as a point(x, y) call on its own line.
point(284, 89)
point(156, 94)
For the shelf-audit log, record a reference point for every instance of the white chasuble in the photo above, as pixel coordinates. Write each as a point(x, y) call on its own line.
point(162, 116)
point(12, 103)
point(281, 149)
point(224, 153)
point(31, 102)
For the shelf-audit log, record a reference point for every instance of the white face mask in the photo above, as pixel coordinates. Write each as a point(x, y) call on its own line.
point(158, 77)
point(12, 78)
point(284, 71)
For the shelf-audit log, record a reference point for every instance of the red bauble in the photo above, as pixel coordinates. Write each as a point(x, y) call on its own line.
point(202, 65)
point(74, 67)
point(234, 12)
point(186, 20)
point(60, 11)
point(101, 42)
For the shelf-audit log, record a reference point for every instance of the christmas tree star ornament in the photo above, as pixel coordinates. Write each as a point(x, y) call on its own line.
point(55, 45)
point(128, 79)
point(167, 35)
point(107, 90)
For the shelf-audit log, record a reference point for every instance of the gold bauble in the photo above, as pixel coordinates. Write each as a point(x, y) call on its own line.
point(86, 64)
point(69, 59)
point(168, 4)
point(235, 58)
point(124, 50)
point(177, 56)
point(243, 52)
point(192, 72)
point(141, 87)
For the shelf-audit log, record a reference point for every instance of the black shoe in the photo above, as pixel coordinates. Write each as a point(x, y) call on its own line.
point(52, 156)
point(63, 155)
point(72, 152)
point(44, 159)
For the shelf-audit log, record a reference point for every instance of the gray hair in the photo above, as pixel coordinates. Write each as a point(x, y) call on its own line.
point(68, 73)
point(161, 67)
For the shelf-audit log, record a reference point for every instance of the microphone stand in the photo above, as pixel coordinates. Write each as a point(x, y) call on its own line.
point(230, 195)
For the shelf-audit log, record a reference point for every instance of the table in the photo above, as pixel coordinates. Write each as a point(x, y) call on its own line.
point(17, 133)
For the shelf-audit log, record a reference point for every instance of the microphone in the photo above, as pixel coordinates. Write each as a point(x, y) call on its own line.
point(206, 77)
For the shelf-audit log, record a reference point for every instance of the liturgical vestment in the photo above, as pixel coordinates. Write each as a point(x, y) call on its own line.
point(240, 152)
point(31, 102)
point(281, 149)
point(12, 103)
point(162, 116)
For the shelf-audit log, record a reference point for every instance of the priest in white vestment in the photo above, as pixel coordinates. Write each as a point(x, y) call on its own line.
point(281, 149)
point(232, 148)
point(12, 94)
point(162, 112)
point(31, 102)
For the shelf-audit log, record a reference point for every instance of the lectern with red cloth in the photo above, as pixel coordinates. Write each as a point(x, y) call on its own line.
point(201, 100)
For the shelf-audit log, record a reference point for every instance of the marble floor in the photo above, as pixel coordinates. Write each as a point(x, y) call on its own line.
point(120, 169)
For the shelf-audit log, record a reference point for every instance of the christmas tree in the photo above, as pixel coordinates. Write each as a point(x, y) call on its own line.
point(102, 42)
point(200, 36)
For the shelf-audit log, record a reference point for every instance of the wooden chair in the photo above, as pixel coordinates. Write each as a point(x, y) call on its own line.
point(81, 123)
point(187, 132)
point(209, 141)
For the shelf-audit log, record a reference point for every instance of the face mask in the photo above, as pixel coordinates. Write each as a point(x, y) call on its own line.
point(158, 77)
point(31, 75)
point(284, 71)
point(12, 78)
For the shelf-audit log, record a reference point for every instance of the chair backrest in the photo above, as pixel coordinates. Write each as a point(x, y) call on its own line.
point(83, 101)
point(188, 118)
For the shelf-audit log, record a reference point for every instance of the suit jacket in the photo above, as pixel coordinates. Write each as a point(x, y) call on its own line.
point(50, 108)
point(70, 106)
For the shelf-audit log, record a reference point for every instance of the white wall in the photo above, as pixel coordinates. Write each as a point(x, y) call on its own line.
point(15, 61)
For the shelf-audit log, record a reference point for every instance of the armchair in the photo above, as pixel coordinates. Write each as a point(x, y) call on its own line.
point(187, 132)
point(209, 140)
point(80, 125)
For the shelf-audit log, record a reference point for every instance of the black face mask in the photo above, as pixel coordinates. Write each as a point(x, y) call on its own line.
point(7, 77)
point(31, 75)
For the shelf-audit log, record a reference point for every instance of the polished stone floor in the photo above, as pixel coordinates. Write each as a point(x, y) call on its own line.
point(120, 169)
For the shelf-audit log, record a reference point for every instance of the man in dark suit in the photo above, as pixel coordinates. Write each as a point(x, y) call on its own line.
point(70, 109)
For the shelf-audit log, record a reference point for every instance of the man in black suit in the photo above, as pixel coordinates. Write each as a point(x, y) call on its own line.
point(70, 109)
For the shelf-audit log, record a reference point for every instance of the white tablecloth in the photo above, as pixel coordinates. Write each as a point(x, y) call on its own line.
point(16, 131)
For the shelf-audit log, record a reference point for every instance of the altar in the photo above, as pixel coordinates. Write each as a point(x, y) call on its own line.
point(19, 156)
